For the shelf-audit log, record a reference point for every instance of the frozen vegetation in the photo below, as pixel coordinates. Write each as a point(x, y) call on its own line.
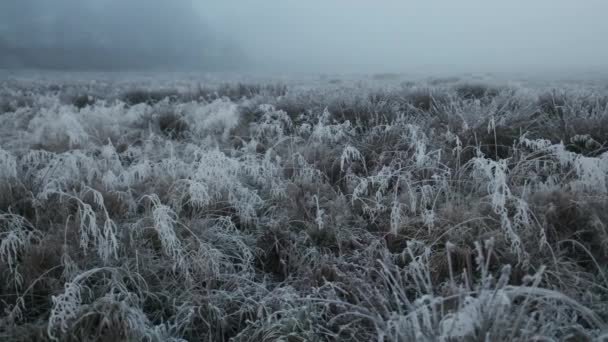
point(371, 209)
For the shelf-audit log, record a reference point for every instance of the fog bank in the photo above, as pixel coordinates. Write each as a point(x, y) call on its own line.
point(305, 36)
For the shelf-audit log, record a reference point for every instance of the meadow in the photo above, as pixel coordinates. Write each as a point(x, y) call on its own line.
point(367, 208)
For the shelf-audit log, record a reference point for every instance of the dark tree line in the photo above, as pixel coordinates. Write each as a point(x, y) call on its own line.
point(110, 34)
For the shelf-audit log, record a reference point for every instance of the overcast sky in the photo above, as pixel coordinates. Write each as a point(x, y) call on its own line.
point(339, 35)
point(403, 34)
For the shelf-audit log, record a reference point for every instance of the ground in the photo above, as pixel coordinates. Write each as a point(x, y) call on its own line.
point(245, 208)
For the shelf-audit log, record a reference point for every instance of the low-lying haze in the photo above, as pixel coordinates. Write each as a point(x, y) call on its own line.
point(305, 36)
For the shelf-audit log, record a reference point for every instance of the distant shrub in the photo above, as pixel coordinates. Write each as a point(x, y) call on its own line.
point(425, 99)
point(421, 99)
point(293, 106)
point(246, 90)
point(443, 80)
point(11, 103)
point(496, 143)
point(173, 125)
point(134, 97)
point(138, 96)
point(552, 103)
point(386, 76)
point(6, 107)
point(476, 91)
point(83, 100)
point(237, 91)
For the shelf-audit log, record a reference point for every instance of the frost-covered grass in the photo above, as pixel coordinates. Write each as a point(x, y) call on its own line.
point(444, 209)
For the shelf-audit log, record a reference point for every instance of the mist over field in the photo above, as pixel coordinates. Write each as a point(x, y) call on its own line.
point(112, 35)
point(395, 35)
point(282, 170)
point(305, 36)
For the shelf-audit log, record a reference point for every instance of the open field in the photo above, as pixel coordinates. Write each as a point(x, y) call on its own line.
point(371, 208)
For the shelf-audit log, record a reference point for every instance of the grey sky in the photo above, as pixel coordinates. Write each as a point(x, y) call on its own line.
point(389, 35)
point(111, 34)
point(325, 35)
